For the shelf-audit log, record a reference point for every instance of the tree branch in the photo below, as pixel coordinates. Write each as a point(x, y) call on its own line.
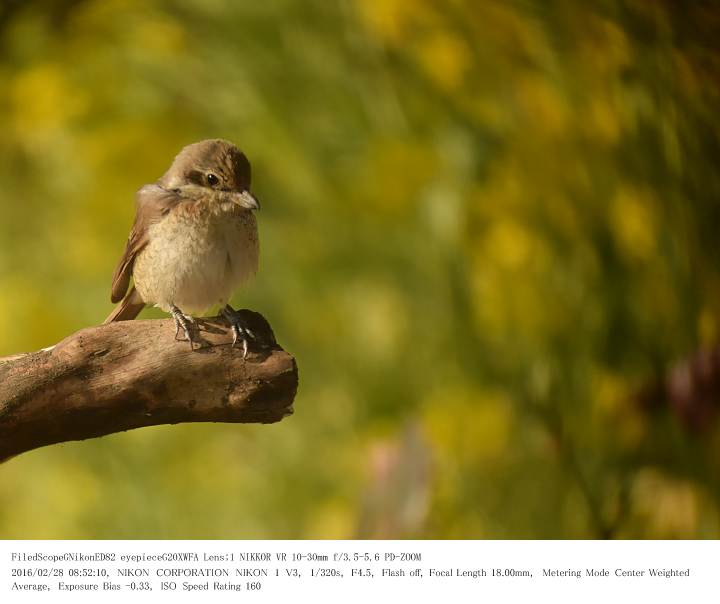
point(134, 373)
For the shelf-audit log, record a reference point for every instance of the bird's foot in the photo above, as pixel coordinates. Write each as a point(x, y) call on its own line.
point(241, 332)
point(184, 322)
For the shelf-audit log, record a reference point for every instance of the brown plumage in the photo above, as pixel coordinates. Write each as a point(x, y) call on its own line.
point(194, 239)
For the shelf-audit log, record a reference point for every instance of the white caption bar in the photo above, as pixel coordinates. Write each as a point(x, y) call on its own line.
point(352, 571)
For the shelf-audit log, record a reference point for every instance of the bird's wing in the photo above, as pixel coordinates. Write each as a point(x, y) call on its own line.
point(152, 203)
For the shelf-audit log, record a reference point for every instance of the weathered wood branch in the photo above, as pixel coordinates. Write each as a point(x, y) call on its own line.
point(134, 373)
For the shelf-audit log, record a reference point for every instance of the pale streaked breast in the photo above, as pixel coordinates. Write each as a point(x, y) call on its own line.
point(197, 260)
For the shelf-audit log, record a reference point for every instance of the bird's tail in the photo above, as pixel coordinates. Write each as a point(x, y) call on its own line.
point(128, 309)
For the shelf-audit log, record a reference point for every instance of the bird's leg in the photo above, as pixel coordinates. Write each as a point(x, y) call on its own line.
point(186, 322)
point(239, 329)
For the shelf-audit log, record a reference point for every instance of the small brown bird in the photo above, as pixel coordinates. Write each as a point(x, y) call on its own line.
point(194, 239)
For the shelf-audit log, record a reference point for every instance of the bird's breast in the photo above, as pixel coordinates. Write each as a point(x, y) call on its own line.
point(196, 259)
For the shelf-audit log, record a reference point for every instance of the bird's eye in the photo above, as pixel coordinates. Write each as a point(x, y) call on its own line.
point(212, 180)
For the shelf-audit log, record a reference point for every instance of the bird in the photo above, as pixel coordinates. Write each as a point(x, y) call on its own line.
point(194, 240)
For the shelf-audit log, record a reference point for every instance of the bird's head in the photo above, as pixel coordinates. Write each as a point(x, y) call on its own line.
point(214, 169)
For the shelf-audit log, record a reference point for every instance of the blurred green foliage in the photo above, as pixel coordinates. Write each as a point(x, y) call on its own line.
point(486, 226)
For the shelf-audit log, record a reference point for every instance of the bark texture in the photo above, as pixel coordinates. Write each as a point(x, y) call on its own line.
point(132, 374)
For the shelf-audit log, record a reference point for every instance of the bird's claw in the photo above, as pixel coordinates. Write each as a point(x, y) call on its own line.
point(184, 322)
point(241, 333)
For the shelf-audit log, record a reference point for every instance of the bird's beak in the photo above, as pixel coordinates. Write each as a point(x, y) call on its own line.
point(247, 200)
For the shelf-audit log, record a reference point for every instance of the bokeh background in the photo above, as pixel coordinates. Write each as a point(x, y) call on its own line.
point(490, 235)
